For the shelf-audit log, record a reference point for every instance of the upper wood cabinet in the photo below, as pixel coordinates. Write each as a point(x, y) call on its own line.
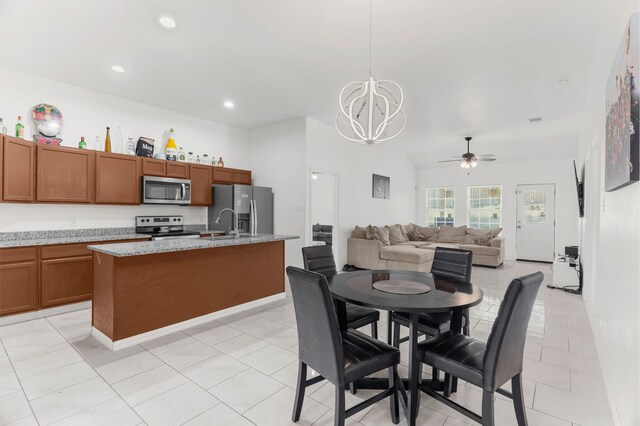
point(200, 185)
point(65, 175)
point(153, 167)
point(156, 167)
point(18, 280)
point(18, 170)
point(227, 175)
point(117, 179)
point(177, 170)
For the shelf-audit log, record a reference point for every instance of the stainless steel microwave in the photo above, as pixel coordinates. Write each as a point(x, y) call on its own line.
point(159, 190)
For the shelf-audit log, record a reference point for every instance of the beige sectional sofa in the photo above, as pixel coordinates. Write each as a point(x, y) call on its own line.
point(411, 247)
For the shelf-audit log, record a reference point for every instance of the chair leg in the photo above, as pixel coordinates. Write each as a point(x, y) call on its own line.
point(389, 327)
point(396, 335)
point(339, 416)
point(353, 388)
point(447, 385)
point(435, 373)
point(374, 329)
point(488, 416)
point(300, 387)
point(518, 400)
point(395, 411)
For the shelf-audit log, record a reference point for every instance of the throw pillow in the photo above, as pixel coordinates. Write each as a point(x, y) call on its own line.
point(484, 240)
point(495, 232)
point(452, 234)
point(396, 235)
point(359, 232)
point(473, 233)
point(424, 233)
point(380, 233)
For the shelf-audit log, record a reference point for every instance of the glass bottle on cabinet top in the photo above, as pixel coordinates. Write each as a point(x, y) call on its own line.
point(107, 142)
point(220, 162)
point(205, 159)
point(171, 150)
point(191, 158)
point(20, 128)
point(82, 144)
point(181, 155)
point(198, 160)
point(3, 129)
point(131, 147)
point(97, 146)
point(118, 142)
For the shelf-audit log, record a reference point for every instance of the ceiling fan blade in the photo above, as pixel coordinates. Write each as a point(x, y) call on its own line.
point(449, 161)
point(485, 155)
point(486, 159)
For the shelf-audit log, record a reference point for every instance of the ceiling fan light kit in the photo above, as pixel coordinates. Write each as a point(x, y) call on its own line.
point(370, 111)
point(469, 159)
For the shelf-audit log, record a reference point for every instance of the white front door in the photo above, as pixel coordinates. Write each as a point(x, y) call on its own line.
point(536, 222)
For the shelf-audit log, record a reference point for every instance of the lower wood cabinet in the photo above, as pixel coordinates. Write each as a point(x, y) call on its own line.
point(66, 280)
point(18, 280)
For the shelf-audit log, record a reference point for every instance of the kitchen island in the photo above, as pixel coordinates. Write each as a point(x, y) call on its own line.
point(144, 290)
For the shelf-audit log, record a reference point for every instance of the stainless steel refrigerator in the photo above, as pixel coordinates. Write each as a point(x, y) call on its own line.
point(253, 204)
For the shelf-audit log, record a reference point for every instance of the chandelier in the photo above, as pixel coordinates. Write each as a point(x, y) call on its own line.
point(370, 111)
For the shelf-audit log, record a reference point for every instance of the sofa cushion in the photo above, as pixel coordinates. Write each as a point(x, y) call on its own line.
point(396, 235)
point(481, 250)
point(452, 234)
point(406, 254)
point(495, 232)
point(424, 233)
point(380, 233)
point(433, 246)
point(359, 232)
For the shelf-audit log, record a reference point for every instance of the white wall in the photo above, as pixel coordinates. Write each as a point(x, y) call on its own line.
point(509, 175)
point(277, 158)
point(354, 165)
point(611, 237)
point(87, 113)
point(323, 199)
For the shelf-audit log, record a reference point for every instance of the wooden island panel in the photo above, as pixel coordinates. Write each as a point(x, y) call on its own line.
point(137, 294)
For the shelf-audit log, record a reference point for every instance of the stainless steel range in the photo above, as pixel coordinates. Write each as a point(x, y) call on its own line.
point(163, 227)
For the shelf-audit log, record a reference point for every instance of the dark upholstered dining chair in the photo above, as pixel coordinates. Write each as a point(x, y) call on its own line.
point(489, 365)
point(320, 259)
point(447, 262)
point(339, 356)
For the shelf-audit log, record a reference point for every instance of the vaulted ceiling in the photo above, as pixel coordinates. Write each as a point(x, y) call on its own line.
point(467, 67)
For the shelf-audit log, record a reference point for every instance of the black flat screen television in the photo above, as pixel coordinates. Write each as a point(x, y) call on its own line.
point(580, 190)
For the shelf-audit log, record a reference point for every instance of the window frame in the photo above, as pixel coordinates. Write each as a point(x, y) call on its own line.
point(490, 224)
point(428, 209)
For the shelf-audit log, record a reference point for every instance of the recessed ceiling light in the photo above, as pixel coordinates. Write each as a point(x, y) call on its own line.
point(167, 21)
point(117, 68)
point(229, 104)
point(564, 80)
point(535, 119)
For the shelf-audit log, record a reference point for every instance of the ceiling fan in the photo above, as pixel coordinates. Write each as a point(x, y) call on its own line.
point(469, 159)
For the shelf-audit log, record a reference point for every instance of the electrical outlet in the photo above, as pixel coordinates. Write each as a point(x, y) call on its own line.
point(74, 222)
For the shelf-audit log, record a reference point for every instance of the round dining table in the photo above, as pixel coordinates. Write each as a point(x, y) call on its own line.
point(432, 294)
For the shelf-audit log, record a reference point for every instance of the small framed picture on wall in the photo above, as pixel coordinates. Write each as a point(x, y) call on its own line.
point(381, 187)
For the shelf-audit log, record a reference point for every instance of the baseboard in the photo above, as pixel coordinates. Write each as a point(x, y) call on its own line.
point(43, 313)
point(154, 334)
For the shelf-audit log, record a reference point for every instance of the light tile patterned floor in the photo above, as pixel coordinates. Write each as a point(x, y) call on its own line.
point(242, 370)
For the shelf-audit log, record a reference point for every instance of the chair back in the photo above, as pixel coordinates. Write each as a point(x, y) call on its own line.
point(505, 347)
point(319, 339)
point(319, 259)
point(454, 263)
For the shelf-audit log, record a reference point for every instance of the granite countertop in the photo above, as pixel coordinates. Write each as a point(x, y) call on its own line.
point(70, 236)
point(44, 238)
point(181, 244)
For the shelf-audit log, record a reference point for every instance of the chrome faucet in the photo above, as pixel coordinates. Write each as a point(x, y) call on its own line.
point(235, 220)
